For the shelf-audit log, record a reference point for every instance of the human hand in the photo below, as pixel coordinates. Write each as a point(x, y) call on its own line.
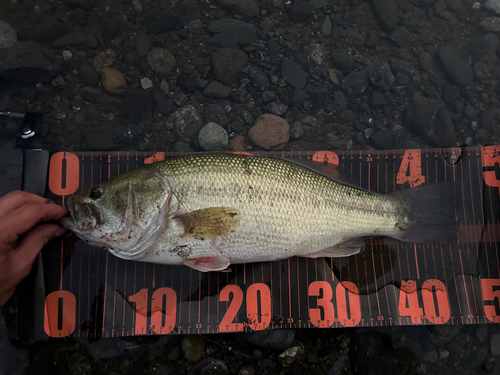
point(24, 217)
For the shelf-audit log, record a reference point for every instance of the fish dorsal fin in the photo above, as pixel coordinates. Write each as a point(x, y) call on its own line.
point(208, 223)
point(344, 249)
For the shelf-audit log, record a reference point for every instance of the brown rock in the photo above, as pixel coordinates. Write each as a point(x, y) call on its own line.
point(238, 143)
point(192, 346)
point(113, 81)
point(269, 132)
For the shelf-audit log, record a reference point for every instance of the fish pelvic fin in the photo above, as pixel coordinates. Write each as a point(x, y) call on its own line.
point(430, 211)
point(344, 249)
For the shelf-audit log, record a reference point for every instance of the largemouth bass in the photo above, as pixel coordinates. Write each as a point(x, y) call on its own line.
point(208, 211)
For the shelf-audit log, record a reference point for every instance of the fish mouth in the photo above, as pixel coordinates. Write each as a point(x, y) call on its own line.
point(84, 217)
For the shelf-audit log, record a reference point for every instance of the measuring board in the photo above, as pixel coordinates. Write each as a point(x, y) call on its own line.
point(89, 292)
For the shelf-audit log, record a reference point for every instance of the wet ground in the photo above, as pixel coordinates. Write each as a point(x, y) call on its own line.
point(180, 75)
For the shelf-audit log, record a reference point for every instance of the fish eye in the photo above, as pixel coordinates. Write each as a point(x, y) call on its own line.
point(96, 192)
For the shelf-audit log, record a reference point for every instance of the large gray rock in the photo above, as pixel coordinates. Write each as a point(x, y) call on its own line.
point(457, 70)
point(27, 62)
point(213, 137)
point(386, 12)
point(228, 63)
point(217, 90)
point(186, 122)
point(483, 44)
point(246, 8)
point(231, 33)
point(8, 36)
point(293, 74)
point(432, 121)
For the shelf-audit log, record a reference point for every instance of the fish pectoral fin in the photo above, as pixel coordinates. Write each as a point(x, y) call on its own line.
point(344, 249)
point(208, 223)
point(207, 264)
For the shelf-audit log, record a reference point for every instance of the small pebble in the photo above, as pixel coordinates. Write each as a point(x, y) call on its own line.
point(67, 55)
point(192, 347)
point(291, 355)
point(146, 83)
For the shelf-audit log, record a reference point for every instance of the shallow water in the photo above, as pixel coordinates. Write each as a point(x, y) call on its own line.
point(181, 76)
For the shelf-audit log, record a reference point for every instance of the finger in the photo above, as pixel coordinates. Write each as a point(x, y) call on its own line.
point(12, 201)
point(26, 217)
point(31, 245)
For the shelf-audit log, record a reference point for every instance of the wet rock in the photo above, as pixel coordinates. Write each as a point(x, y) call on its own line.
point(343, 59)
point(483, 44)
point(488, 119)
point(296, 130)
point(88, 5)
point(192, 346)
point(238, 143)
point(186, 122)
point(182, 147)
point(277, 108)
point(158, 24)
point(425, 61)
point(161, 61)
point(26, 62)
point(146, 83)
point(386, 12)
point(482, 332)
point(495, 344)
point(326, 27)
point(258, 78)
point(293, 74)
point(246, 8)
point(89, 75)
point(165, 106)
point(402, 37)
point(136, 107)
point(402, 66)
point(231, 33)
point(100, 139)
point(8, 36)
point(71, 40)
point(370, 354)
point(297, 97)
point(186, 83)
point(274, 50)
point(410, 145)
point(215, 113)
point(126, 134)
point(213, 137)
point(113, 81)
point(382, 77)
point(377, 100)
point(280, 339)
point(431, 356)
point(382, 139)
point(103, 59)
point(457, 70)
point(291, 355)
point(432, 121)
point(79, 365)
point(490, 24)
point(228, 63)
point(247, 370)
point(493, 5)
point(450, 93)
point(143, 44)
point(209, 366)
point(217, 90)
point(300, 11)
point(195, 27)
point(355, 83)
point(489, 364)
point(189, 12)
point(442, 334)
point(372, 39)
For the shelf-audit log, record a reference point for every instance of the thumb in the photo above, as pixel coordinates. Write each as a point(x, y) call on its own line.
point(33, 242)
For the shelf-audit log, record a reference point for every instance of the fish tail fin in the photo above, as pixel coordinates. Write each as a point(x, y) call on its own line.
point(431, 213)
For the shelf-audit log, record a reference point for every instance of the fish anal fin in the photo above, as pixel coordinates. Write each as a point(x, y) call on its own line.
point(208, 223)
point(344, 249)
point(207, 264)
